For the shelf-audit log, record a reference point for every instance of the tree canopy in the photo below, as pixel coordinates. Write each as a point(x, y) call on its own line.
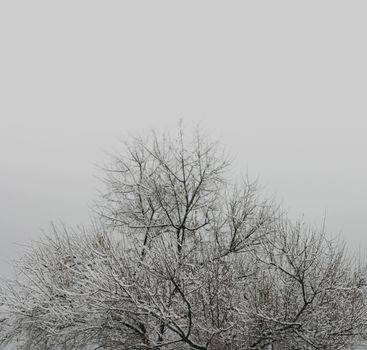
point(181, 257)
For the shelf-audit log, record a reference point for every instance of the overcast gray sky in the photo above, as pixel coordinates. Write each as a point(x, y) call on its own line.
point(283, 83)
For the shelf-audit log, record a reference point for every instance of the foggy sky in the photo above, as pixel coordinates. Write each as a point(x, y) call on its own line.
point(282, 83)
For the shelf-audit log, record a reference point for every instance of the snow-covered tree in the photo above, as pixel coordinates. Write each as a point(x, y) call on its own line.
point(181, 258)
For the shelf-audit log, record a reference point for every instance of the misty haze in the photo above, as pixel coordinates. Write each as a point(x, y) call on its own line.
point(183, 175)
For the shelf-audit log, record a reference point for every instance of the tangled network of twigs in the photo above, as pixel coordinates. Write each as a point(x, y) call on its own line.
point(181, 258)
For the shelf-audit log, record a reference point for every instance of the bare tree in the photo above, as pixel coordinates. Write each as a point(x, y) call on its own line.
point(183, 259)
point(307, 294)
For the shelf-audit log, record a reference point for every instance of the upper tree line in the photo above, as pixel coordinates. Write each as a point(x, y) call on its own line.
point(182, 258)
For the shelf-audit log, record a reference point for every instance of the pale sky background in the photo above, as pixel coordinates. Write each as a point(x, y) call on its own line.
point(283, 83)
